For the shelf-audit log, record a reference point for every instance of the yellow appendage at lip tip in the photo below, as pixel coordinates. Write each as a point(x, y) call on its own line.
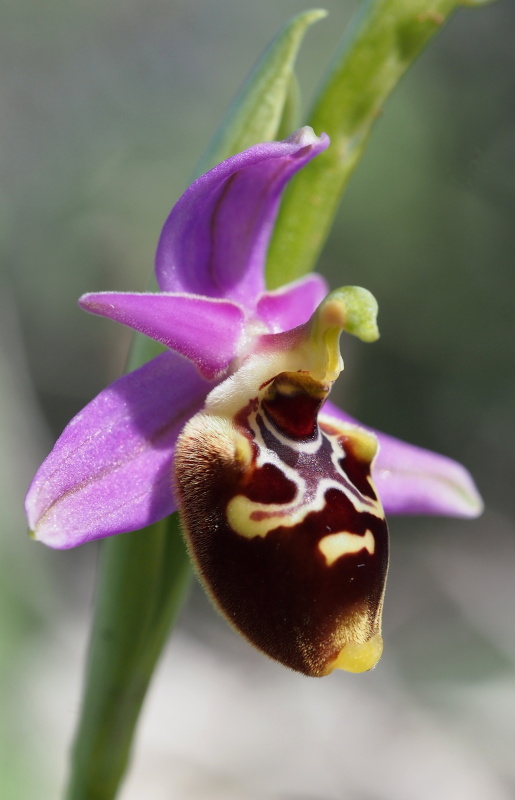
point(359, 657)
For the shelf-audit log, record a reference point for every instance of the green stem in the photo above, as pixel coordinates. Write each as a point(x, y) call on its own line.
point(141, 584)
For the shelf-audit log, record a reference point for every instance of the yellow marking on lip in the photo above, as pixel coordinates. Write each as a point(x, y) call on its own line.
point(242, 450)
point(364, 445)
point(239, 516)
point(250, 518)
point(344, 543)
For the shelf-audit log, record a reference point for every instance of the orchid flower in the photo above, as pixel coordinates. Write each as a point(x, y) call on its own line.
point(282, 496)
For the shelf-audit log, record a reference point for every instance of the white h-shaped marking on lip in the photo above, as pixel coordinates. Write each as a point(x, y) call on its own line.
point(336, 545)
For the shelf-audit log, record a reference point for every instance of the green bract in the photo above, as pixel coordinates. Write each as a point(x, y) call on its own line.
point(385, 38)
point(268, 96)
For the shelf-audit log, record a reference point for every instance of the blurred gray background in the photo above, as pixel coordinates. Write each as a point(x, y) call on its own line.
point(105, 107)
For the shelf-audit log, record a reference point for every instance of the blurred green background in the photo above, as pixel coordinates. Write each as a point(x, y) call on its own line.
point(104, 110)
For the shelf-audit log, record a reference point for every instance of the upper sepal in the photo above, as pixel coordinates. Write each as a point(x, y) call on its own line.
point(215, 240)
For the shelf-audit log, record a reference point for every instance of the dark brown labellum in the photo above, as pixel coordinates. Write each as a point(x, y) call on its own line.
point(285, 527)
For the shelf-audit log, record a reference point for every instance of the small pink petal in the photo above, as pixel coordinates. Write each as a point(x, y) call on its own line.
point(293, 304)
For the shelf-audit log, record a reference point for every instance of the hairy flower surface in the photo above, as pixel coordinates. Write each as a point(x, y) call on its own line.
point(237, 358)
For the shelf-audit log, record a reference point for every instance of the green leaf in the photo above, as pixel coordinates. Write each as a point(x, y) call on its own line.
point(257, 110)
point(384, 40)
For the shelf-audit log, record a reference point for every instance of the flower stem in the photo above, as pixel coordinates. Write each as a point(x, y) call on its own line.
point(146, 574)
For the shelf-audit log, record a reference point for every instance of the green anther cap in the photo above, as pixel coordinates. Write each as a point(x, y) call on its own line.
point(351, 309)
point(360, 312)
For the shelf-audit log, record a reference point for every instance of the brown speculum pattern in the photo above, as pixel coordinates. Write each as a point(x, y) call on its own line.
point(284, 524)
